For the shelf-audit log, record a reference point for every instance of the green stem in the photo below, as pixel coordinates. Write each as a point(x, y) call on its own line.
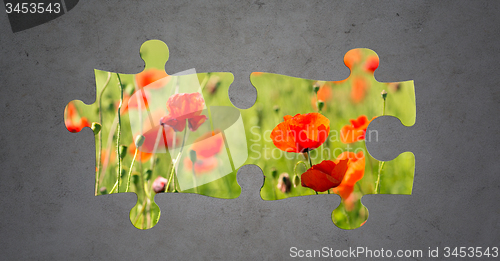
point(194, 181)
point(145, 199)
point(203, 84)
point(380, 164)
point(383, 111)
point(359, 187)
point(170, 178)
point(309, 156)
point(108, 145)
point(178, 156)
point(154, 157)
point(275, 185)
point(317, 103)
point(114, 187)
point(347, 216)
point(147, 107)
point(118, 177)
point(130, 170)
point(377, 185)
point(296, 164)
point(139, 214)
point(158, 217)
point(98, 173)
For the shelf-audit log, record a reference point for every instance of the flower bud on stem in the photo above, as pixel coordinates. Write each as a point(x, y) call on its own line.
point(320, 104)
point(96, 127)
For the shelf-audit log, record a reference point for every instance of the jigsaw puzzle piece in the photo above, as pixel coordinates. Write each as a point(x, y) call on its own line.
point(157, 133)
point(308, 136)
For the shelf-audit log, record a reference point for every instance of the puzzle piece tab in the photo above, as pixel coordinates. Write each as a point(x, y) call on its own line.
point(308, 136)
point(156, 133)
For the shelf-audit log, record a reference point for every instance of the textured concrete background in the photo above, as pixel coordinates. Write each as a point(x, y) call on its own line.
point(450, 49)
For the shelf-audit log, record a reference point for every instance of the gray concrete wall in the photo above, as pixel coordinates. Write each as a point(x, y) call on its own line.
point(449, 48)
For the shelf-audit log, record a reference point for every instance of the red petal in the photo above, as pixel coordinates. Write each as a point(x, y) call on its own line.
point(176, 124)
point(301, 132)
point(317, 180)
point(196, 121)
point(149, 76)
point(283, 138)
point(208, 145)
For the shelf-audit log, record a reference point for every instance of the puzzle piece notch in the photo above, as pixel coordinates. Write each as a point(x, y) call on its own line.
point(379, 146)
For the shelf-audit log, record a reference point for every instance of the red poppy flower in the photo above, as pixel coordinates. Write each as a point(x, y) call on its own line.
point(182, 107)
point(344, 192)
point(73, 122)
point(324, 176)
point(70, 110)
point(358, 89)
point(140, 97)
point(201, 165)
point(166, 140)
point(354, 173)
point(77, 125)
point(150, 76)
point(352, 57)
point(206, 147)
point(301, 133)
point(356, 131)
point(371, 64)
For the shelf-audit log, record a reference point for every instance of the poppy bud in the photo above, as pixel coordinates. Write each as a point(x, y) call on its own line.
point(135, 179)
point(296, 181)
point(139, 140)
point(96, 127)
point(384, 94)
point(147, 174)
point(274, 172)
point(212, 84)
point(103, 191)
point(192, 156)
point(159, 185)
point(276, 108)
point(320, 105)
point(110, 106)
point(284, 183)
point(124, 172)
point(122, 151)
point(316, 89)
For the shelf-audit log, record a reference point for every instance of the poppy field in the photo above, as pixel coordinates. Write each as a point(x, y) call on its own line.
point(308, 136)
point(157, 133)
